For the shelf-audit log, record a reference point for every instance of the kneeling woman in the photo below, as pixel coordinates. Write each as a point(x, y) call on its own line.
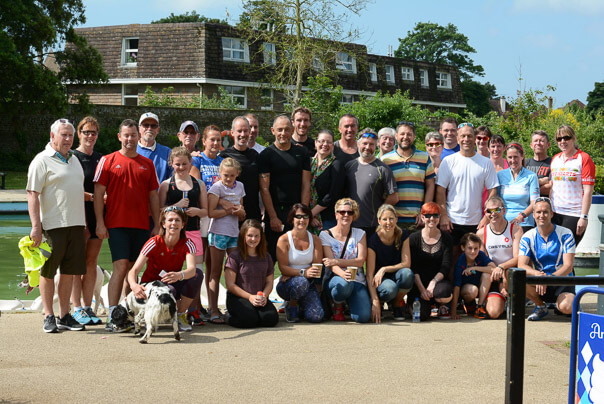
point(249, 280)
point(164, 256)
point(388, 275)
point(297, 250)
point(345, 251)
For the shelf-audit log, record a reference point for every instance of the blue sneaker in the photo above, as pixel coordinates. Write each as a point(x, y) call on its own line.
point(81, 316)
point(94, 320)
point(538, 314)
point(291, 314)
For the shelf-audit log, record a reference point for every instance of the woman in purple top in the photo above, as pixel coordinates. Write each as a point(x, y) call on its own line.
point(249, 280)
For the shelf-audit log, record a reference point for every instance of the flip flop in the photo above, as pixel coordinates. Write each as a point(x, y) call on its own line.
point(217, 319)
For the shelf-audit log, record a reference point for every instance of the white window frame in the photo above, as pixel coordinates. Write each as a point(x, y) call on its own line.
point(235, 46)
point(263, 97)
point(443, 80)
point(390, 74)
point(128, 96)
point(346, 63)
point(347, 99)
point(407, 73)
point(126, 49)
point(373, 72)
point(270, 55)
point(423, 78)
point(229, 90)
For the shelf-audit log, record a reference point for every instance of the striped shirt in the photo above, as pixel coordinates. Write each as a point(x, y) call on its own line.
point(161, 258)
point(547, 255)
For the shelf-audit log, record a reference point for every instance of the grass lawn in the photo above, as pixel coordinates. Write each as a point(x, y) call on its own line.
point(16, 179)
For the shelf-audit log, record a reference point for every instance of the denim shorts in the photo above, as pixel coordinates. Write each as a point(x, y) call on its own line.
point(222, 242)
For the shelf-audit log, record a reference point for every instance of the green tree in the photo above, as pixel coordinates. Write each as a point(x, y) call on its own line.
point(476, 96)
point(434, 43)
point(186, 17)
point(595, 98)
point(307, 36)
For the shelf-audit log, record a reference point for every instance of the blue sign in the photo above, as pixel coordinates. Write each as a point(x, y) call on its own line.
point(590, 365)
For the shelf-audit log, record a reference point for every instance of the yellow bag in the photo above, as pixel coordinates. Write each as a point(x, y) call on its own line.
point(33, 258)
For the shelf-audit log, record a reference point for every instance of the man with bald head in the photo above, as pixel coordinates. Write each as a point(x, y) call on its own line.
point(284, 180)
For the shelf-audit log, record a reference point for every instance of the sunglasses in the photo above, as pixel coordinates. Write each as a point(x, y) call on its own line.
point(461, 125)
point(89, 132)
point(561, 138)
point(302, 217)
point(174, 209)
point(149, 125)
point(368, 134)
point(433, 144)
point(63, 120)
point(406, 123)
point(493, 210)
point(482, 138)
point(431, 215)
point(345, 212)
point(543, 199)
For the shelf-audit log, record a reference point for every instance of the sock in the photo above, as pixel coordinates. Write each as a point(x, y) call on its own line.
point(87, 307)
point(110, 312)
point(76, 308)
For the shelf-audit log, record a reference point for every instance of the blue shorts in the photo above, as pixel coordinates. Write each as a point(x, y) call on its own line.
point(221, 242)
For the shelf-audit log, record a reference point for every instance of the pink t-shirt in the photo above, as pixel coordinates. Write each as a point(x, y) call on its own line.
point(568, 175)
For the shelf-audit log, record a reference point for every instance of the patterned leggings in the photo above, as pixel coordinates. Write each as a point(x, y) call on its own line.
point(300, 289)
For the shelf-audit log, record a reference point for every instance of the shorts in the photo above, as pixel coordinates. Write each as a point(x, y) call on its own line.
point(68, 251)
point(195, 237)
point(570, 222)
point(204, 225)
point(90, 220)
point(496, 294)
point(222, 242)
point(125, 243)
point(552, 293)
point(459, 230)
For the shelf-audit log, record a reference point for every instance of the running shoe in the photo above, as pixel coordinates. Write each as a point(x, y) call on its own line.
point(470, 308)
point(67, 322)
point(397, 313)
point(291, 314)
point(538, 314)
point(183, 323)
point(443, 312)
point(81, 317)
point(481, 313)
point(195, 318)
point(338, 314)
point(94, 319)
point(50, 324)
point(117, 329)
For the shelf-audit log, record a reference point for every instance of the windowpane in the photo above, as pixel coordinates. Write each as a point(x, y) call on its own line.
point(407, 73)
point(129, 51)
point(389, 74)
point(373, 72)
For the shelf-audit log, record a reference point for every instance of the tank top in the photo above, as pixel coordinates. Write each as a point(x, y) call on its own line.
point(300, 259)
point(174, 195)
point(499, 246)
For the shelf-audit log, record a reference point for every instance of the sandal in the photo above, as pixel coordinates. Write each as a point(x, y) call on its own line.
point(217, 319)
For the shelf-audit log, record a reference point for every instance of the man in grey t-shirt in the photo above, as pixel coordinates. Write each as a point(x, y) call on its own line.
point(370, 183)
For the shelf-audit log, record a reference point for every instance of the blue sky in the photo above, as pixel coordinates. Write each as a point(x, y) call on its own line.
point(546, 42)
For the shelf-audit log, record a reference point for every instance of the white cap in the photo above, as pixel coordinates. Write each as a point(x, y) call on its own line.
point(148, 115)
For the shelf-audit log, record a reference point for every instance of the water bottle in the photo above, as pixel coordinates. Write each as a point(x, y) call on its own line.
point(260, 294)
point(185, 194)
point(416, 310)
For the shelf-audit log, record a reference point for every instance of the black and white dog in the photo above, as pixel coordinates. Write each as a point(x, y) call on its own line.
point(159, 307)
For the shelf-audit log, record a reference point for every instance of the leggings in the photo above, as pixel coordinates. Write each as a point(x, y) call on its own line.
point(300, 289)
point(245, 315)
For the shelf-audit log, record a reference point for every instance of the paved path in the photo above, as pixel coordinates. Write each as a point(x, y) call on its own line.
point(397, 362)
point(13, 195)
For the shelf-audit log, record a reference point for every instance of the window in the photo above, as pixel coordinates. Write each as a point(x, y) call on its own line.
point(266, 99)
point(346, 63)
point(347, 99)
point(317, 64)
point(389, 74)
point(236, 50)
point(129, 51)
point(407, 73)
point(270, 57)
point(373, 72)
point(237, 94)
point(443, 80)
point(129, 95)
point(423, 78)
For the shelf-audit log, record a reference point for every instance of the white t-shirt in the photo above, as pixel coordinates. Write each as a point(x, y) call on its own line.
point(465, 178)
point(352, 249)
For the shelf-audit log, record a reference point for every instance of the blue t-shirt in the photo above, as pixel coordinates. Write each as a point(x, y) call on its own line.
point(518, 194)
point(482, 260)
point(547, 256)
point(159, 156)
point(448, 152)
point(209, 169)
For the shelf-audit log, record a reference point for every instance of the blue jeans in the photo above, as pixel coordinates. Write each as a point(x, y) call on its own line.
point(390, 288)
point(353, 293)
point(300, 289)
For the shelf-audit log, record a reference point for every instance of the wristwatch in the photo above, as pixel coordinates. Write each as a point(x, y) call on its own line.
point(302, 271)
point(523, 214)
point(584, 217)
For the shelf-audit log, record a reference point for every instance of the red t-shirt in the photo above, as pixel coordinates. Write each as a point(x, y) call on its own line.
point(160, 257)
point(128, 181)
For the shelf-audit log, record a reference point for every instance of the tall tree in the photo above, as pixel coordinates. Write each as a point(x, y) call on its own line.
point(477, 95)
point(186, 17)
point(595, 98)
point(307, 36)
point(434, 43)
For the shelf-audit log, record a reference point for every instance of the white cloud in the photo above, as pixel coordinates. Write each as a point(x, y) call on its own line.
point(585, 7)
point(545, 41)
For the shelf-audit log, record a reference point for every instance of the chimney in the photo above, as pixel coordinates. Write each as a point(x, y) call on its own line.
point(502, 104)
point(550, 103)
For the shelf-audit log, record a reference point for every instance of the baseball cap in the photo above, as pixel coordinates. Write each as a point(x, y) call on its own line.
point(184, 125)
point(148, 115)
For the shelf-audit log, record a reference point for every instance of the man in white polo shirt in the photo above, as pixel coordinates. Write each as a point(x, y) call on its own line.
point(55, 200)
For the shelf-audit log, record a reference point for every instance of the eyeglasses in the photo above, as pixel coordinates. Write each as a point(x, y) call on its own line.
point(149, 125)
point(431, 215)
point(174, 209)
point(461, 125)
point(406, 123)
point(368, 134)
point(302, 217)
point(434, 144)
point(493, 210)
point(482, 138)
point(345, 212)
point(89, 132)
point(561, 138)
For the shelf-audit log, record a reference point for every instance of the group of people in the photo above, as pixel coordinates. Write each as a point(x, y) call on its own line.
point(351, 228)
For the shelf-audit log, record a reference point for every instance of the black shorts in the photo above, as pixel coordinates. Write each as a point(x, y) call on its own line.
point(570, 222)
point(90, 219)
point(552, 293)
point(126, 243)
point(68, 251)
point(459, 230)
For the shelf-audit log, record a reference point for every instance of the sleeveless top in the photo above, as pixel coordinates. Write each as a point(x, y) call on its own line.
point(499, 246)
point(174, 195)
point(300, 259)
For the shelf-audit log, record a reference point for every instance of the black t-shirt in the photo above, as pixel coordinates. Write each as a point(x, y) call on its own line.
point(285, 168)
point(541, 168)
point(308, 144)
point(89, 164)
point(248, 177)
point(427, 264)
point(386, 255)
point(340, 155)
point(330, 187)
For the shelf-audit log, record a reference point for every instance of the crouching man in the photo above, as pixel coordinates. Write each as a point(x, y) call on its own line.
point(547, 250)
